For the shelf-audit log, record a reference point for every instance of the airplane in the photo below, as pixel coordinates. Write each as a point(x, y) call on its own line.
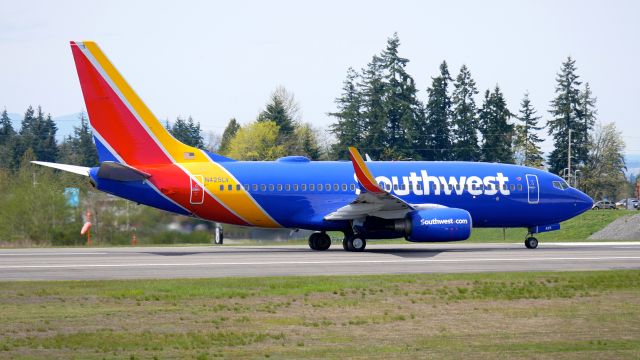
point(420, 201)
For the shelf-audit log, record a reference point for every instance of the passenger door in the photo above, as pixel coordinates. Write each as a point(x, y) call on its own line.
point(533, 189)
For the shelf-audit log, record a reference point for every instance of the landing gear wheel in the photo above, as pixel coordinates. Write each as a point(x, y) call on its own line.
point(319, 241)
point(345, 242)
point(531, 243)
point(356, 243)
point(218, 236)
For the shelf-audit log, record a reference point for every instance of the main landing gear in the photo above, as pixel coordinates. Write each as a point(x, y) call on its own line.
point(319, 241)
point(354, 243)
point(530, 242)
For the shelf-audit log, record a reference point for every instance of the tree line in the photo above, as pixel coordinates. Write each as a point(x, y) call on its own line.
point(379, 111)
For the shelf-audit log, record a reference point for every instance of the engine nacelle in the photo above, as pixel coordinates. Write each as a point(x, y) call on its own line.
point(443, 224)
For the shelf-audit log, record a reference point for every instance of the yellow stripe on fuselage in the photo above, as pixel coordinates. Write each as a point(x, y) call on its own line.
point(196, 163)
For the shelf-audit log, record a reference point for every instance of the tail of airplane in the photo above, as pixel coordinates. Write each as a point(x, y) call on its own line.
point(125, 130)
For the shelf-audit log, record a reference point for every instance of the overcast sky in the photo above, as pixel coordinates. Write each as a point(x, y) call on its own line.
point(217, 60)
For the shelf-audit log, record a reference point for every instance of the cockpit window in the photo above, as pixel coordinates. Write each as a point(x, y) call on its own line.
point(561, 185)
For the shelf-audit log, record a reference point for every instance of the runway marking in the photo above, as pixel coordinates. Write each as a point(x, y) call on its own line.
point(53, 253)
point(328, 262)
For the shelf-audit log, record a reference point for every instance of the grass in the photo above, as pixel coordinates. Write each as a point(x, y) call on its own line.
point(569, 315)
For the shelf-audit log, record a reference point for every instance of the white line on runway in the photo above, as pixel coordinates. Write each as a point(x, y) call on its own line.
point(328, 262)
point(52, 253)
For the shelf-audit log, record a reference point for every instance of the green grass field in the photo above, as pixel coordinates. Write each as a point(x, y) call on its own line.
point(569, 315)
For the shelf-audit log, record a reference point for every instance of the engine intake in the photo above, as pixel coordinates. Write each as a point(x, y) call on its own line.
point(445, 224)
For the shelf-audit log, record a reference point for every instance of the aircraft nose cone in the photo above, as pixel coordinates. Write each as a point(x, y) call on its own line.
point(583, 201)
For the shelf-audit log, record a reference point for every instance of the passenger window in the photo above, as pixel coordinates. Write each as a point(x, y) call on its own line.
point(271, 187)
point(327, 187)
point(279, 187)
point(287, 187)
point(419, 187)
point(336, 187)
point(519, 187)
point(344, 187)
point(295, 187)
point(303, 187)
point(319, 187)
point(246, 187)
point(238, 187)
point(312, 187)
point(255, 187)
point(395, 186)
point(221, 187)
point(352, 187)
point(263, 187)
point(513, 187)
point(230, 187)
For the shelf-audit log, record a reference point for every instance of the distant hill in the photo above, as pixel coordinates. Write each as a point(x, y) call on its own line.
point(65, 123)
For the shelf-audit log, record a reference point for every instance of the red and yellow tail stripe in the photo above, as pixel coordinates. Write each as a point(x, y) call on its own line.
point(126, 126)
point(362, 172)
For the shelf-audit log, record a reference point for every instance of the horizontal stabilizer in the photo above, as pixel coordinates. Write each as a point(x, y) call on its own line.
point(116, 171)
point(80, 170)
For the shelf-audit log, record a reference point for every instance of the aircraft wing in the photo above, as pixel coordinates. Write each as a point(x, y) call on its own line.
point(372, 200)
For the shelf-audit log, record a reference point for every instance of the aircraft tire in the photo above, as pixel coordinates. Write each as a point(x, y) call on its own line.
point(531, 243)
point(357, 244)
point(313, 241)
point(345, 243)
point(323, 242)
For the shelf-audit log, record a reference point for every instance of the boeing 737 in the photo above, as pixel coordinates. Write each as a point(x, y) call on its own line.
point(420, 201)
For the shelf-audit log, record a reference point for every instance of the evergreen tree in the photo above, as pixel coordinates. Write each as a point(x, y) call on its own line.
point(308, 142)
point(228, 134)
point(6, 128)
point(438, 117)
point(401, 106)
point(79, 148)
point(372, 90)
point(587, 114)
point(566, 112)
point(497, 133)
point(348, 130)
point(465, 120)
point(38, 133)
point(7, 141)
point(527, 140)
point(188, 132)
point(276, 111)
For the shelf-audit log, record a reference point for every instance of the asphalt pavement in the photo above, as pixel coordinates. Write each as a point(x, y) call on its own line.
point(226, 261)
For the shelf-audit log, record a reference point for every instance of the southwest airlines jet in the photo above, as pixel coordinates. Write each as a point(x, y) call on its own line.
point(418, 200)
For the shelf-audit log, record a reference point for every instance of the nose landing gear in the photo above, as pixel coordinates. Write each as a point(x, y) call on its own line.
point(530, 242)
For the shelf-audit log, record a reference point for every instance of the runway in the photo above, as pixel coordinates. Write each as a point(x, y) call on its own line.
point(226, 261)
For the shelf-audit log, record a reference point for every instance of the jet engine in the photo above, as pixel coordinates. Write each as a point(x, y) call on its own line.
point(443, 224)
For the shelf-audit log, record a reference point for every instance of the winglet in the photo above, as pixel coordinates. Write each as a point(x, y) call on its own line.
point(363, 174)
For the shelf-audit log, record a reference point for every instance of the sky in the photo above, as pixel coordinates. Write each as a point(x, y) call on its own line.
point(216, 60)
